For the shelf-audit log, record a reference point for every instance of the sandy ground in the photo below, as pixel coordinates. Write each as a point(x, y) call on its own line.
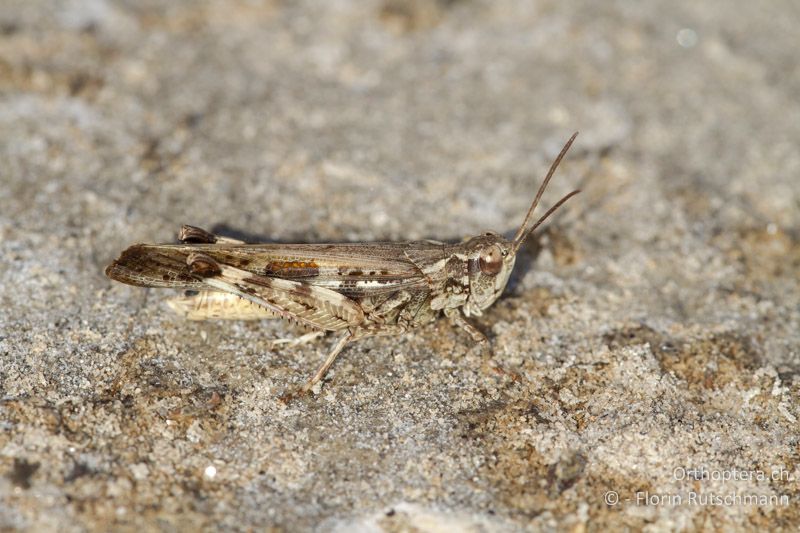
point(651, 333)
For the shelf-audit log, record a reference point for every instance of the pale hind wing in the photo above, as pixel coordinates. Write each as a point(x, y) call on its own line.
point(205, 305)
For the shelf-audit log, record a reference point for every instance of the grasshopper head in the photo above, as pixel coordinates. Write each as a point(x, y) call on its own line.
point(490, 262)
point(491, 257)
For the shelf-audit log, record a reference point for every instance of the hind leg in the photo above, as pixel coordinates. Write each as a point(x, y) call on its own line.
point(215, 305)
point(321, 371)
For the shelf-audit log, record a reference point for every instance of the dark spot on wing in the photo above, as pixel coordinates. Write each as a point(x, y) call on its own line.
point(203, 265)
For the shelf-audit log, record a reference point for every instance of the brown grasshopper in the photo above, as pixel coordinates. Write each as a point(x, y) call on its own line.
point(359, 289)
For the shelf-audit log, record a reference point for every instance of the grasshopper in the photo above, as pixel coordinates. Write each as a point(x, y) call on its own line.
point(357, 289)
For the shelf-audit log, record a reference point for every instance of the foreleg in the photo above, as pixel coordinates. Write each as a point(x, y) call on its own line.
point(458, 319)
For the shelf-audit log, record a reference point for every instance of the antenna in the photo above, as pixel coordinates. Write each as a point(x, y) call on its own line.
point(523, 232)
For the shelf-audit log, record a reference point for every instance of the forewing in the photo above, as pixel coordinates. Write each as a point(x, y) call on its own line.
point(354, 270)
point(153, 265)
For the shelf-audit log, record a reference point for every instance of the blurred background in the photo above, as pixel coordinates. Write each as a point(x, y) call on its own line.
point(635, 321)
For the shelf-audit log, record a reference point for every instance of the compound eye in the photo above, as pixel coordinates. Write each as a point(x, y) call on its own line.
point(491, 260)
